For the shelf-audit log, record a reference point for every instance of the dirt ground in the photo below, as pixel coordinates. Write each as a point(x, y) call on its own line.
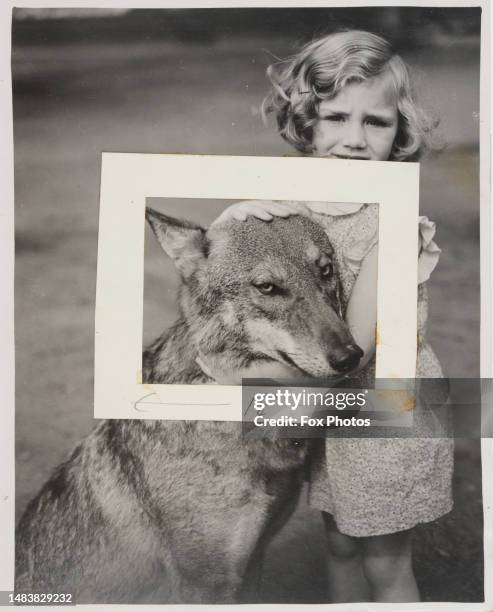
point(74, 101)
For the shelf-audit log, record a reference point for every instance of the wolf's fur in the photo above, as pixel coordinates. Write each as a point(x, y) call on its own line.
point(177, 512)
point(229, 321)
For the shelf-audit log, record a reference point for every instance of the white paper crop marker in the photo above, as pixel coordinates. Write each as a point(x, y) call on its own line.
point(128, 179)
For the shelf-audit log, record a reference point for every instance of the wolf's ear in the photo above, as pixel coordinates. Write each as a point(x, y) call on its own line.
point(183, 241)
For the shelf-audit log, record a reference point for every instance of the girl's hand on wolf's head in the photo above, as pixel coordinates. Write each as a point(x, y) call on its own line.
point(265, 210)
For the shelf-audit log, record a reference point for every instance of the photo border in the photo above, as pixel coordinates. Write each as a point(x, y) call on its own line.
point(128, 179)
point(7, 432)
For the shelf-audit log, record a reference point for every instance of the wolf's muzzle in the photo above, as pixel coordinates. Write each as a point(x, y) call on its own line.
point(346, 358)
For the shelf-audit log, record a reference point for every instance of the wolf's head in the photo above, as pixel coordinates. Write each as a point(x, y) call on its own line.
point(255, 290)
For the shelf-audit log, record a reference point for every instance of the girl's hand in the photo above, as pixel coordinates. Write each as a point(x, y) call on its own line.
point(261, 209)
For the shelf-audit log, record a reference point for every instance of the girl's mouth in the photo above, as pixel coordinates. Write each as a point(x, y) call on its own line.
point(334, 155)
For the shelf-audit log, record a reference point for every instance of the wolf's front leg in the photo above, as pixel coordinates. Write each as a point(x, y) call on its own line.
point(212, 556)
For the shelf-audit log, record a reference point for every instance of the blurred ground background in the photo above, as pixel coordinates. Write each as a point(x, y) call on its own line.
point(192, 82)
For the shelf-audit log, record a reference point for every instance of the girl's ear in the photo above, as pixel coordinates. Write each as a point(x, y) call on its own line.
point(183, 241)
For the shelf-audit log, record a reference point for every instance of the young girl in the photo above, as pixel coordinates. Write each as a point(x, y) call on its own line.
point(348, 96)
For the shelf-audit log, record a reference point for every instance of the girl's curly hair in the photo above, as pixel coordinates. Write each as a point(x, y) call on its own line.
point(322, 68)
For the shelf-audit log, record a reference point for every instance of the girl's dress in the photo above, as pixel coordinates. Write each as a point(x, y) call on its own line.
point(376, 486)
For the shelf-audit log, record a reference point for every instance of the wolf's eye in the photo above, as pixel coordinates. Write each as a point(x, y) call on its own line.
point(267, 288)
point(326, 271)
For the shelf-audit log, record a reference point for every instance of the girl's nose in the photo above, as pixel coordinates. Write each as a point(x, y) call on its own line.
point(354, 136)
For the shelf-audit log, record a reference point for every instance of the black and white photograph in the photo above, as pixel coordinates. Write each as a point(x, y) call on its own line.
point(154, 511)
point(262, 292)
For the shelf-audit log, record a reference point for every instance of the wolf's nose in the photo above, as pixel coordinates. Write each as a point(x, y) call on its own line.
point(346, 359)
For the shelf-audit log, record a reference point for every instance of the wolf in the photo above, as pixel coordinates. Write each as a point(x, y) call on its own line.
point(182, 511)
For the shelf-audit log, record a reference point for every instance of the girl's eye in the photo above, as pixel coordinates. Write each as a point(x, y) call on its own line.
point(377, 122)
point(326, 271)
point(267, 288)
point(335, 118)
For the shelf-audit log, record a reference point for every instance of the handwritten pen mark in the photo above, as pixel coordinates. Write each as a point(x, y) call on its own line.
point(141, 401)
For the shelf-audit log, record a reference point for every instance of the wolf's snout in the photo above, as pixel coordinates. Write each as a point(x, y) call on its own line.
point(346, 358)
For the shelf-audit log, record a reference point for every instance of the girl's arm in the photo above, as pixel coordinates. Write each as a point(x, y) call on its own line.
point(361, 313)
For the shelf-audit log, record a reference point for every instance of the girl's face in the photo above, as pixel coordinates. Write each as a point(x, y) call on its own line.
point(360, 122)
